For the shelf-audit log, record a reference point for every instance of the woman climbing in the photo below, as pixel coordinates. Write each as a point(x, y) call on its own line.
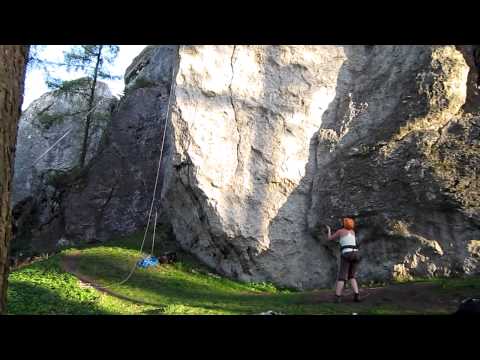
point(349, 258)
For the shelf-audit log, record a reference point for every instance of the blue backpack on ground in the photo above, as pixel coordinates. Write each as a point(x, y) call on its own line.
point(147, 262)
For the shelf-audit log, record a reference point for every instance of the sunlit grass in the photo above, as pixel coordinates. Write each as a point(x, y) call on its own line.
point(185, 287)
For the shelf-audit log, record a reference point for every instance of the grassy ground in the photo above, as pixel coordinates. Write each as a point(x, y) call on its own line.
point(188, 288)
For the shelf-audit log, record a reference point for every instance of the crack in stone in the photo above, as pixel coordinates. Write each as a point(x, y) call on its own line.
point(103, 208)
point(309, 195)
point(440, 134)
point(218, 245)
point(233, 107)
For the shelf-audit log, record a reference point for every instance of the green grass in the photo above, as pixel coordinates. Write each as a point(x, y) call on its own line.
point(44, 289)
point(185, 287)
point(448, 284)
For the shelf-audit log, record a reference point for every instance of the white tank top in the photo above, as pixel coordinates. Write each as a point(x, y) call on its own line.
point(348, 239)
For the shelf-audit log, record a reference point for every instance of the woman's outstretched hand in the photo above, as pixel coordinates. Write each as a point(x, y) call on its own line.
point(329, 231)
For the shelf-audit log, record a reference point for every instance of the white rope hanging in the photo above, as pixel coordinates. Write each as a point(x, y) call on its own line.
point(155, 187)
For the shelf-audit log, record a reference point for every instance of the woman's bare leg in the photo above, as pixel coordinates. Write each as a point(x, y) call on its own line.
point(339, 288)
point(354, 284)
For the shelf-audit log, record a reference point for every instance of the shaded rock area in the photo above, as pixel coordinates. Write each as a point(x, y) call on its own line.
point(405, 168)
point(117, 196)
point(112, 195)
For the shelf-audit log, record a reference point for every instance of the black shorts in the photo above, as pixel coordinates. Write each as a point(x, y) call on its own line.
point(348, 265)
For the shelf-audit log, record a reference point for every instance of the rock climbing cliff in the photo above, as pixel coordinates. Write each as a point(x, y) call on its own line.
point(272, 142)
point(267, 144)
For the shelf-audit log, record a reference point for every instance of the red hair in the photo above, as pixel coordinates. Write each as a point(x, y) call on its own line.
point(348, 223)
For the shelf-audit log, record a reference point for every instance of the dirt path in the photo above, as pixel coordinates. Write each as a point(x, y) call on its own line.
point(69, 263)
point(417, 297)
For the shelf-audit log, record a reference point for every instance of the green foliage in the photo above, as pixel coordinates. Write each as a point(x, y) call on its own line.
point(43, 288)
point(55, 177)
point(377, 283)
point(84, 57)
point(93, 59)
point(48, 120)
point(62, 178)
point(77, 85)
point(453, 284)
point(269, 287)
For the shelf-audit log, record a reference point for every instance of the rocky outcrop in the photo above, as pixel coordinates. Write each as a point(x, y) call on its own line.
point(50, 138)
point(405, 165)
point(45, 121)
point(152, 67)
point(270, 143)
point(115, 197)
point(112, 195)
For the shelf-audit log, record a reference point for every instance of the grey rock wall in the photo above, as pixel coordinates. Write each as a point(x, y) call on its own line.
point(270, 143)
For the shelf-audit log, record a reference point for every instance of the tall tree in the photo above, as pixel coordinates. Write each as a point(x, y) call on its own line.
point(93, 60)
point(12, 77)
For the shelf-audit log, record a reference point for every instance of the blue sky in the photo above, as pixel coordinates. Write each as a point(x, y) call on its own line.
point(35, 85)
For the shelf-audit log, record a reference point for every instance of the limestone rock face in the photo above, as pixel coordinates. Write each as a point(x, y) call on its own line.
point(45, 121)
point(240, 192)
point(403, 161)
point(49, 142)
point(270, 143)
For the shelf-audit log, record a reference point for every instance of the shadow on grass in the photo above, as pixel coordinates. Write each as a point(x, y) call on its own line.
point(174, 286)
point(170, 287)
point(164, 243)
point(29, 299)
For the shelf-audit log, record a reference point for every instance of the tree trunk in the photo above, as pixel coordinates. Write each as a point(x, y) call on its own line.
point(12, 76)
point(83, 153)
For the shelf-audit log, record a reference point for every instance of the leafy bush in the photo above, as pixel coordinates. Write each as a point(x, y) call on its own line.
point(48, 120)
point(61, 178)
point(74, 86)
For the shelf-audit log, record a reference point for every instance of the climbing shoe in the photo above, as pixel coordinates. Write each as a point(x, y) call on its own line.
point(356, 297)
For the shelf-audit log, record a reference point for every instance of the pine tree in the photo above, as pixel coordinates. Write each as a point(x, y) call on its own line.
point(93, 60)
point(12, 76)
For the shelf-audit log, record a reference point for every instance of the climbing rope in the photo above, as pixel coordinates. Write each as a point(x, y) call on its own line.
point(150, 260)
point(153, 237)
point(51, 147)
point(154, 188)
